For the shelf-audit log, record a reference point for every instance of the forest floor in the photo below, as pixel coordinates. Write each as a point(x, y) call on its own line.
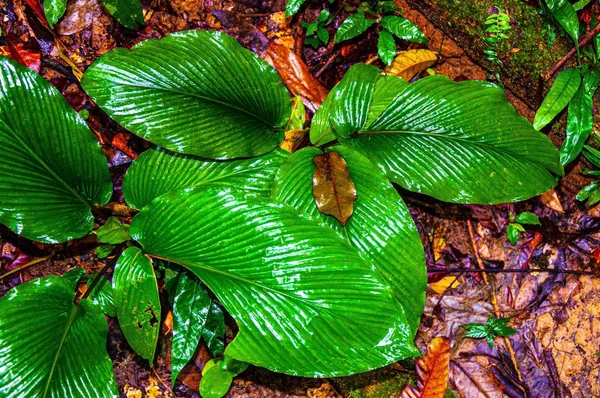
point(557, 314)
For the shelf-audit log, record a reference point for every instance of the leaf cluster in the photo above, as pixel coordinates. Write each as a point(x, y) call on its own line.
point(515, 227)
point(493, 328)
point(498, 25)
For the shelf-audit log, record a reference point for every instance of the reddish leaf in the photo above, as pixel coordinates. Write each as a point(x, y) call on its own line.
point(333, 189)
point(432, 371)
point(296, 76)
point(39, 12)
point(25, 57)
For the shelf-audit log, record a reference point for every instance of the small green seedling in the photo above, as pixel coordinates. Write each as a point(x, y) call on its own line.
point(498, 25)
point(317, 34)
point(493, 328)
point(516, 225)
point(217, 376)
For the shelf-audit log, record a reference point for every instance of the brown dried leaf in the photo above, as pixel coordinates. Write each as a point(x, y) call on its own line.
point(296, 76)
point(432, 371)
point(551, 201)
point(411, 62)
point(333, 189)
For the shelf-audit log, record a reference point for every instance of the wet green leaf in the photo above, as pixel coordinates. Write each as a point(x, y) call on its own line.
point(214, 329)
point(527, 217)
point(227, 103)
point(580, 119)
point(561, 92)
point(215, 382)
point(279, 274)
point(54, 10)
point(381, 227)
point(191, 306)
point(74, 276)
point(102, 295)
point(353, 26)
point(47, 198)
point(512, 232)
point(403, 29)
point(104, 251)
point(566, 15)
point(113, 232)
point(58, 345)
point(499, 326)
point(135, 295)
point(587, 191)
point(292, 7)
point(156, 172)
point(128, 13)
point(436, 138)
point(386, 47)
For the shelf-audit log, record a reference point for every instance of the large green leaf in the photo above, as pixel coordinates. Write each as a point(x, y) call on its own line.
point(386, 47)
point(386, 89)
point(51, 347)
point(321, 130)
point(191, 306)
point(54, 10)
point(438, 137)
point(381, 227)
point(306, 303)
point(580, 118)
point(193, 92)
point(156, 172)
point(128, 13)
point(351, 99)
point(51, 168)
point(561, 92)
point(353, 26)
point(566, 15)
point(135, 296)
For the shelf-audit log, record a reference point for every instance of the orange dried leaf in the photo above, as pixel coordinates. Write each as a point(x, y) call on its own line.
point(432, 371)
point(409, 63)
point(297, 76)
point(333, 189)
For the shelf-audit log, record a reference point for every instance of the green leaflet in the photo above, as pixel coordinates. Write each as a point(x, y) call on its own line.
point(214, 329)
point(102, 295)
point(54, 10)
point(292, 7)
point(217, 376)
point(386, 47)
point(580, 119)
point(435, 138)
point(193, 92)
point(351, 99)
point(191, 307)
point(561, 92)
point(295, 288)
point(566, 15)
point(135, 294)
point(403, 29)
point(156, 172)
point(48, 197)
point(353, 26)
point(113, 232)
point(50, 347)
point(128, 13)
point(321, 130)
point(381, 227)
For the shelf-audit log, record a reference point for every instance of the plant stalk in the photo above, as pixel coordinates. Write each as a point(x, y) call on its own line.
point(110, 264)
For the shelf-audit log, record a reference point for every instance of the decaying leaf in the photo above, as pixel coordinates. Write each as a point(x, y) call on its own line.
point(333, 189)
point(432, 371)
point(551, 201)
point(409, 63)
point(296, 76)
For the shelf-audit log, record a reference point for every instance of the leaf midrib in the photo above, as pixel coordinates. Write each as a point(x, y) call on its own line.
point(489, 147)
point(46, 167)
point(74, 313)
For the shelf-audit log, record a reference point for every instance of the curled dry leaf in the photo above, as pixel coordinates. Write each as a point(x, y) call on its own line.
point(409, 63)
point(551, 201)
point(432, 371)
point(333, 189)
point(296, 76)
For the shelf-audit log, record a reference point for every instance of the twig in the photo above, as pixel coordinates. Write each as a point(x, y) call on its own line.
point(584, 41)
point(332, 57)
point(110, 264)
point(513, 356)
point(506, 271)
point(29, 264)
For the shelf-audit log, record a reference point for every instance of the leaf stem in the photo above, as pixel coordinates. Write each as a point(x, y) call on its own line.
point(110, 264)
point(584, 41)
point(29, 264)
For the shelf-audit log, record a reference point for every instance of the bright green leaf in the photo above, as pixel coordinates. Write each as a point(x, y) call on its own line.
point(321, 130)
point(156, 172)
point(351, 99)
point(234, 366)
point(323, 35)
point(214, 329)
point(194, 92)
point(74, 276)
point(298, 116)
point(387, 88)
point(323, 15)
point(587, 191)
point(51, 347)
point(580, 119)
point(128, 13)
point(279, 274)
point(353, 26)
point(592, 154)
point(403, 29)
point(561, 92)
point(102, 295)
point(52, 167)
point(113, 232)
point(500, 326)
point(386, 47)
point(381, 227)
point(54, 10)
point(566, 16)
point(527, 217)
point(135, 295)
point(476, 330)
point(436, 138)
point(215, 382)
point(292, 7)
point(490, 340)
point(191, 306)
point(512, 233)
point(104, 251)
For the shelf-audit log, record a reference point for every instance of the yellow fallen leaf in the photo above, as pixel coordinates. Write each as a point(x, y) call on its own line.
point(443, 284)
point(551, 201)
point(292, 139)
point(408, 64)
